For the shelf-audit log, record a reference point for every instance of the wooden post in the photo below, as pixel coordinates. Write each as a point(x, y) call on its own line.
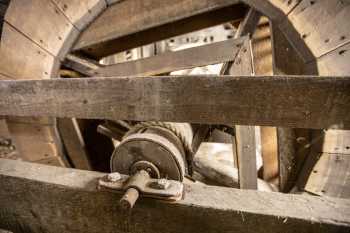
point(245, 135)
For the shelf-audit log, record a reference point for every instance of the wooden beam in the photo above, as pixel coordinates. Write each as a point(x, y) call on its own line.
point(74, 143)
point(82, 65)
point(245, 135)
point(293, 144)
point(36, 198)
point(178, 60)
point(152, 21)
point(249, 23)
point(295, 101)
point(245, 155)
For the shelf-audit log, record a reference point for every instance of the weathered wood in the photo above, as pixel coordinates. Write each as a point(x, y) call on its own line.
point(296, 101)
point(55, 34)
point(249, 23)
point(152, 21)
point(335, 62)
point(321, 26)
point(263, 65)
point(36, 198)
point(74, 143)
point(330, 176)
point(246, 157)
point(20, 51)
point(53, 161)
point(211, 161)
point(81, 13)
point(333, 142)
point(82, 65)
point(38, 141)
point(245, 144)
point(178, 60)
point(293, 144)
point(269, 153)
point(281, 49)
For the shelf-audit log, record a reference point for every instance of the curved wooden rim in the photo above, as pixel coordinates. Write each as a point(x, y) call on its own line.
point(67, 19)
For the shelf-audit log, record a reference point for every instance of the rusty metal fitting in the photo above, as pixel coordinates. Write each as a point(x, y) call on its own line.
point(129, 199)
point(161, 184)
point(114, 176)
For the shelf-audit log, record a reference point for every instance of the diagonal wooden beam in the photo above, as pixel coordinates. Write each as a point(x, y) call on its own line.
point(132, 23)
point(249, 23)
point(163, 63)
point(39, 198)
point(294, 101)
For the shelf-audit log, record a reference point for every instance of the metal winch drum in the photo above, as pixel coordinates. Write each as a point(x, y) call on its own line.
point(160, 148)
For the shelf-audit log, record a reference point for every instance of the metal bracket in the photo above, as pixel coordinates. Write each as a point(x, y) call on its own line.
point(140, 184)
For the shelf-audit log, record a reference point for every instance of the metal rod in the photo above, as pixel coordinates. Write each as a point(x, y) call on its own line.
point(129, 199)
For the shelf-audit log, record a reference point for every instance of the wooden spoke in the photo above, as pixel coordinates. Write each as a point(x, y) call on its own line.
point(245, 143)
point(164, 63)
point(249, 23)
point(142, 26)
point(295, 101)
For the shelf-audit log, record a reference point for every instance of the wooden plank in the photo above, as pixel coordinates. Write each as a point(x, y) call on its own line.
point(249, 23)
point(330, 176)
point(246, 157)
point(242, 64)
point(82, 65)
point(18, 51)
point(53, 161)
point(286, 6)
point(261, 48)
point(34, 196)
point(35, 140)
point(7, 145)
point(152, 21)
point(178, 60)
point(32, 120)
point(269, 153)
point(295, 101)
point(74, 143)
point(293, 145)
point(314, 21)
point(335, 62)
point(81, 13)
point(55, 34)
point(333, 141)
point(263, 64)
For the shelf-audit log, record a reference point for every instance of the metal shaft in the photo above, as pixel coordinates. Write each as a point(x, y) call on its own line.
point(128, 200)
point(132, 194)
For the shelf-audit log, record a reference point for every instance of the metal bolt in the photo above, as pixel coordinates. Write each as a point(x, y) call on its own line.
point(113, 177)
point(129, 199)
point(162, 184)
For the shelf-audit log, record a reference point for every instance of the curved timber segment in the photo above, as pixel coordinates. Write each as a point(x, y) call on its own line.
point(37, 34)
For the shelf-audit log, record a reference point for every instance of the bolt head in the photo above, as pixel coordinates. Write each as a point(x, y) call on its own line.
point(163, 184)
point(113, 177)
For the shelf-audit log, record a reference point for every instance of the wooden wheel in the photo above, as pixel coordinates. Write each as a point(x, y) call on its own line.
point(86, 28)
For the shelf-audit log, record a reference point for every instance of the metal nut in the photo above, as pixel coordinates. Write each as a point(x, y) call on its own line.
point(162, 184)
point(113, 177)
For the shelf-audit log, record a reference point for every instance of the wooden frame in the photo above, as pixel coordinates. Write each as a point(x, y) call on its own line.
point(292, 101)
point(71, 202)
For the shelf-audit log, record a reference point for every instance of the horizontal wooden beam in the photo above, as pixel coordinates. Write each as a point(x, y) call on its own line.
point(132, 23)
point(214, 53)
point(291, 101)
point(39, 198)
